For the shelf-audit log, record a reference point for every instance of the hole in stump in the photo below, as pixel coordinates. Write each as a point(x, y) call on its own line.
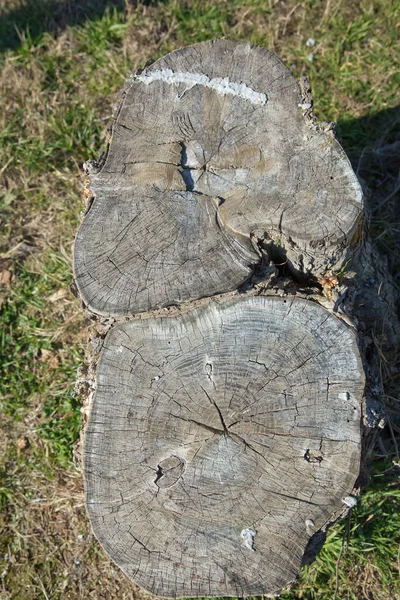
point(159, 474)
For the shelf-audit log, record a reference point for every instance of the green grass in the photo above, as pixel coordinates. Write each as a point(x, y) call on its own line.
point(61, 70)
point(370, 537)
point(35, 364)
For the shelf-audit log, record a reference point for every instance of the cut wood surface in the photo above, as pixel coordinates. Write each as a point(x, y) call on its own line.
point(213, 154)
point(220, 440)
point(224, 434)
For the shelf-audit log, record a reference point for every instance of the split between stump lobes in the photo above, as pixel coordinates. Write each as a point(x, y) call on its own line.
point(223, 436)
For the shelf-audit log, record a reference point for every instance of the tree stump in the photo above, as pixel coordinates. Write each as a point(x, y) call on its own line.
point(212, 159)
point(220, 441)
point(225, 431)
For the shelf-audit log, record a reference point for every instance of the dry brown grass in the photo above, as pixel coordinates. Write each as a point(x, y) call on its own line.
point(53, 552)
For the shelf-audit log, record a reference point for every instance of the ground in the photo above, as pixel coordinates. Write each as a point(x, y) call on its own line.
point(63, 64)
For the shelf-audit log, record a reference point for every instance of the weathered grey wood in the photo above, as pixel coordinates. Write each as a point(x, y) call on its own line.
point(220, 440)
point(222, 437)
point(213, 153)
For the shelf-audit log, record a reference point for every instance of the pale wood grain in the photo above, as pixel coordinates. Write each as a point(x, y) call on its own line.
point(220, 441)
point(211, 154)
point(224, 437)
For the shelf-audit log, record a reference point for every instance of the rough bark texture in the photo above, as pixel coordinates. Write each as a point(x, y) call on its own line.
point(220, 441)
point(212, 156)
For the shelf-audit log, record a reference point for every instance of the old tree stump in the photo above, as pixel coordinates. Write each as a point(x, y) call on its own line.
point(225, 430)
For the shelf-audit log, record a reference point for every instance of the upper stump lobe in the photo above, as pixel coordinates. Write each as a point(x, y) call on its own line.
point(219, 441)
point(210, 147)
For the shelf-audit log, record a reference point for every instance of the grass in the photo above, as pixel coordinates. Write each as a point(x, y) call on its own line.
point(62, 66)
point(368, 566)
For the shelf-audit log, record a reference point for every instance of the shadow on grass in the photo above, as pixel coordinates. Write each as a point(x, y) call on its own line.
point(32, 18)
point(373, 145)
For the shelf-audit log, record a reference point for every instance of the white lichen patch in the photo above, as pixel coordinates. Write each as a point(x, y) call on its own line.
point(350, 501)
point(248, 536)
point(310, 525)
point(223, 86)
point(305, 105)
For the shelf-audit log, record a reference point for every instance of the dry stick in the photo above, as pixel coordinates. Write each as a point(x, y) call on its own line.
point(396, 448)
point(43, 588)
point(345, 539)
point(392, 193)
point(287, 18)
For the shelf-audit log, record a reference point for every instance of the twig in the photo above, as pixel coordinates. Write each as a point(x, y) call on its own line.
point(287, 18)
point(6, 165)
point(392, 193)
point(360, 160)
point(12, 250)
point(43, 588)
point(344, 540)
point(396, 448)
point(327, 10)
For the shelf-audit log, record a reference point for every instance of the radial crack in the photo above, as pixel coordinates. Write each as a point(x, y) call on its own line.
point(218, 409)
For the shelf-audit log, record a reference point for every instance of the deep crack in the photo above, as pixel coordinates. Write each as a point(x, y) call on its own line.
point(186, 170)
